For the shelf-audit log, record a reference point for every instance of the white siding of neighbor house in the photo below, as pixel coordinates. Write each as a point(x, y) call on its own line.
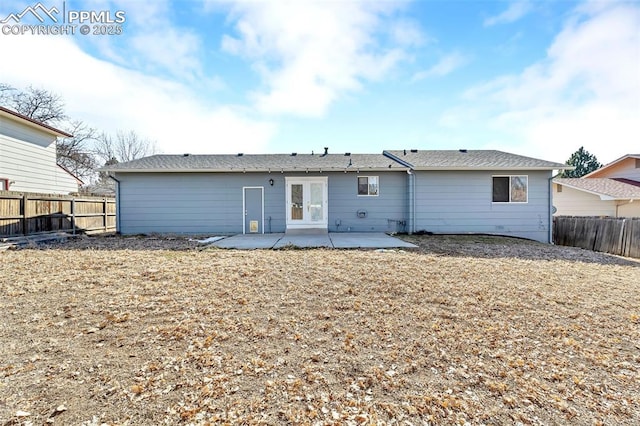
point(461, 202)
point(629, 168)
point(28, 159)
point(571, 202)
point(626, 209)
point(201, 203)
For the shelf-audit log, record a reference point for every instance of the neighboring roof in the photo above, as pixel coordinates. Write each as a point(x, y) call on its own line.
point(607, 189)
point(33, 123)
point(471, 160)
point(257, 163)
point(614, 162)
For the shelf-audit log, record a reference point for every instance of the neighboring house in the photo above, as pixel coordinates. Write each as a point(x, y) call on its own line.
point(613, 190)
point(28, 156)
point(489, 192)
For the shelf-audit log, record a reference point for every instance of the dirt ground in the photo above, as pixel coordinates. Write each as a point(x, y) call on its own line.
point(463, 330)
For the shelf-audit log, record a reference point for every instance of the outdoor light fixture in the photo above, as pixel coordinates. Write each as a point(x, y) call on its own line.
point(271, 182)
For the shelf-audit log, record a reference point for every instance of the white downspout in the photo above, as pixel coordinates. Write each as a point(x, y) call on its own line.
point(550, 207)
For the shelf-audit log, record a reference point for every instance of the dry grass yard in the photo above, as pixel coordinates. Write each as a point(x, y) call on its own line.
point(470, 330)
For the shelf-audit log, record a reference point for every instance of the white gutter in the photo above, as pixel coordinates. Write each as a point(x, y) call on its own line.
point(300, 170)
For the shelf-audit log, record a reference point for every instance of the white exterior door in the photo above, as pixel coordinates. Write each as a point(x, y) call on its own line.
point(307, 205)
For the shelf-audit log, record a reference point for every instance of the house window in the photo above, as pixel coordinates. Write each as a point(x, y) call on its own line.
point(637, 163)
point(368, 185)
point(4, 184)
point(510, 189)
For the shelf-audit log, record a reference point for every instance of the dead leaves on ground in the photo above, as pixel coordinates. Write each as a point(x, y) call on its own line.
point(317, 337)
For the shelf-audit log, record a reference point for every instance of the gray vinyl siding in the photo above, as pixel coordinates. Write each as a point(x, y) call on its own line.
point(28, 158)
point(461, 202)
point(202, 203)
point(382, 211)
point(446, 202)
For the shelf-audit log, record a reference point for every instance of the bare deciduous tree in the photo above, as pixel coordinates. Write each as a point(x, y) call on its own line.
point(75, 154)
point(38, 104)
point(125, 146)
point(86, 151)
point(5, 94)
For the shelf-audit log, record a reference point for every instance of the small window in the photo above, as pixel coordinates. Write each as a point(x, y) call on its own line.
point(367, 185)
point(4, 184)
point(558, 188)
point(637, 163)
point(510, 189)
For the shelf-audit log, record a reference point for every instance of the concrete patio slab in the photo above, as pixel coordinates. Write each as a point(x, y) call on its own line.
point(341, 240)
point(249, 241)
point(367, 240)
point(304, 240)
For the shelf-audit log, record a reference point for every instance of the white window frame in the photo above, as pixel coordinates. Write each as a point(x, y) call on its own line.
point(510, 178)
point(377, 178)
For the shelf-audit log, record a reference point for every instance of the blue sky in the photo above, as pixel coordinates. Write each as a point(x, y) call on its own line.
point(533, 78)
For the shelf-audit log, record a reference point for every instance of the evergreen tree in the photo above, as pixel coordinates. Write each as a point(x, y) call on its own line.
point(584, 163)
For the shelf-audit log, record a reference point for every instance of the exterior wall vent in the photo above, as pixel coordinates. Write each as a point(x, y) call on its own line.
point(240, 154)
point(414, 150)
point(464, 151)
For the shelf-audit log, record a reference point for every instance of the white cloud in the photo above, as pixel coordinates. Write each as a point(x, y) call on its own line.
point(309, 53)
point(153, 43)
point(170, 49)
point(585, 93)
point(446, 65)
point(514, 12)
point(110, 97)
point(406, 32)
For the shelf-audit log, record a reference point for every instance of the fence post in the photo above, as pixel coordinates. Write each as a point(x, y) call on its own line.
point(104, 213)
point(620, 249)
point(73, 216)
point(23, 209)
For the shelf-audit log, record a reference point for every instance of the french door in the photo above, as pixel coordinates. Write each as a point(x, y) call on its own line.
point(307, 205)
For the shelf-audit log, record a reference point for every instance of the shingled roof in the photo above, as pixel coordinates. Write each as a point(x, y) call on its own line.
point(388, 160)
point(257, 163)
point(470, 160)
point(608, 189)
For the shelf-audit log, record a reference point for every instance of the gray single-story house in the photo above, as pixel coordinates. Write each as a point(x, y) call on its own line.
point(462, 191)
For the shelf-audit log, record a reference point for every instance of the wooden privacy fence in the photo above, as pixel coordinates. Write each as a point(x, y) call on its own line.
point(619, 236)
point(27, 214)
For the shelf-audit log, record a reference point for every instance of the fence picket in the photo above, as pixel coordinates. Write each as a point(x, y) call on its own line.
point(619, 236)
point(30, 213)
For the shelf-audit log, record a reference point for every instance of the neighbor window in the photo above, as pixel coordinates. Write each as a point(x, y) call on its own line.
point(367, 185)
point(4, 184)
point(510, 189)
